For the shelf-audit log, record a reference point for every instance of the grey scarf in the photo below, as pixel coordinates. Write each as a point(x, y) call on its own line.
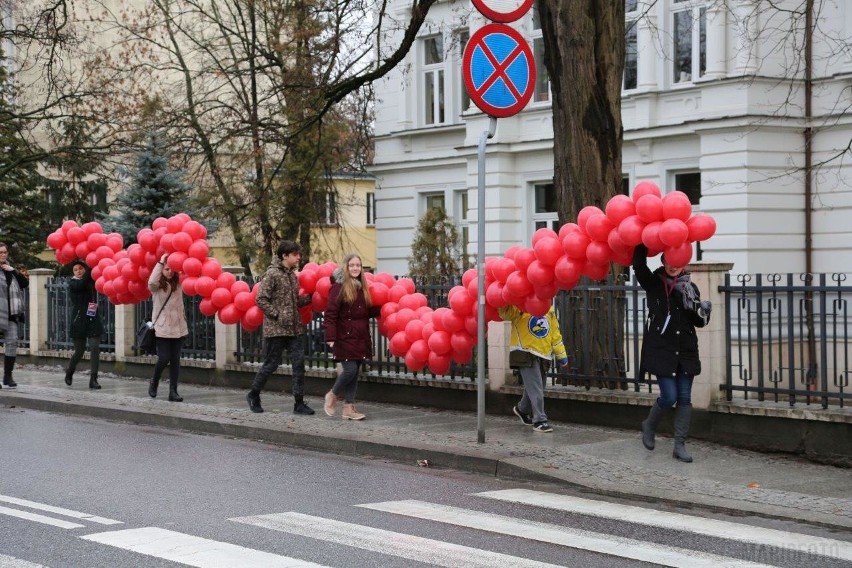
point(688, 292)
point(16, 298)
point(4, 305)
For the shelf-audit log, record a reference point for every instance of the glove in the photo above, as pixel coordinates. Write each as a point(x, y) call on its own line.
point(706, 306)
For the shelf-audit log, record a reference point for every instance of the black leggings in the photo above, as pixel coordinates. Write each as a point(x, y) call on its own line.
point(168, 353)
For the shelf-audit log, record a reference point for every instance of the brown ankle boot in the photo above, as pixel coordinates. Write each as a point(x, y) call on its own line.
point(349, 413)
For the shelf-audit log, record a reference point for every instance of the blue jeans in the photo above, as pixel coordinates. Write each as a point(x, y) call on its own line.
point(675, 389)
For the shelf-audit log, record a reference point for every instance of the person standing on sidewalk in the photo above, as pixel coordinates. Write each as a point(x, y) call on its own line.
point(12, 287)
point(534, 340)
point(169, 326)
point(86, 324)
point(347, 332)
point(670, 344)
point(279, 299)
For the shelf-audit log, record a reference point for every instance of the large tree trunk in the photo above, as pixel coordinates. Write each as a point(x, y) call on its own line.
point(584, 56)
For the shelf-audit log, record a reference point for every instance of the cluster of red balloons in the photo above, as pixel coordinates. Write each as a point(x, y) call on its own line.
point(72, 241)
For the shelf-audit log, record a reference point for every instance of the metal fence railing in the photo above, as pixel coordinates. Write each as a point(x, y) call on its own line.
point(788, 338)
point(59, 317)
point(201, 341)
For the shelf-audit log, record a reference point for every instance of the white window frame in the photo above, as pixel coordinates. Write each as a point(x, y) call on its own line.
point(436, 71)
point(329, 214)
point(540, 96)
point(549, 219)
point(697, 14)
point(461, 215)
point(631, 22)
point(459, 92)
point(370, 203)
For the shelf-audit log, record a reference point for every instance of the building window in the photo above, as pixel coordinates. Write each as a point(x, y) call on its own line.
point(689, 35)
point(462, 37)
point(630, 5)
point(371, 208)
point(325, 206)
point(435, 201)
point(434, 111)
point(625, 185)
point(462, 218)
point(631, 54)
point(542, 79)
point(545, 214)
point(690, 184)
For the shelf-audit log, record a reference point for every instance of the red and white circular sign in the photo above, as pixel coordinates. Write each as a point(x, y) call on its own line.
point(503, 11)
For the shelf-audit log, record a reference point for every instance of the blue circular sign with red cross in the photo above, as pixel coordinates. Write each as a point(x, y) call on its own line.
point(499, 70)
point(503, 10)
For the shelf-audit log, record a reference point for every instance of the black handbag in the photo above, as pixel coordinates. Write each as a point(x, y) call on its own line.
point(146, 337)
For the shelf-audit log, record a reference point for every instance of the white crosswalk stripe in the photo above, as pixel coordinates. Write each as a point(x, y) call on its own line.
point(434, 552)
point(612, 545)
point(58, 510)
point(193, 550)
point(35, 517)
point(12, 562)
point(662, 519)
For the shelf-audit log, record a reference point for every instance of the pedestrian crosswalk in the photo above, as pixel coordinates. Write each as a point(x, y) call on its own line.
point(191, 550)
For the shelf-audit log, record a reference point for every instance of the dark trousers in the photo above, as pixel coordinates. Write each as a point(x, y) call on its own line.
point(273, 353)
point(80, 348)
point(168, 353)
point(347, 381)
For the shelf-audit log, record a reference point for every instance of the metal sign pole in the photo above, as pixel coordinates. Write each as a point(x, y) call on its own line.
point(480, 263)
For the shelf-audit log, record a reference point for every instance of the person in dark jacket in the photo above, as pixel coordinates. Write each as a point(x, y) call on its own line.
point(279, 299)
point(347, 332)
point(12, 287)
point(670, 344)
point(86, 324)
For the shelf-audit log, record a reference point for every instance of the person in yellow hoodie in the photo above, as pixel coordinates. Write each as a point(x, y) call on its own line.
point(534, 340)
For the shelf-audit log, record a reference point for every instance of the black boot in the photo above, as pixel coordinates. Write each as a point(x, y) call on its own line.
point(173, 393)
point(8, 365)
point(683, 415)
point(253, 398)
point(93, 383)
point(649, 425)
point(152, 387)
point(69, 377)
point(299, 407)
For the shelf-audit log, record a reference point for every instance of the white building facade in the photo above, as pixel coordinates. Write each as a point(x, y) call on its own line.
point(714, 104)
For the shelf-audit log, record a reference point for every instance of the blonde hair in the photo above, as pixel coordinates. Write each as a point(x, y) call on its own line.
point(348, 289)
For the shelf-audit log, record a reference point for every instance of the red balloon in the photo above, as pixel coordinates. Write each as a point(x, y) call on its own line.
point(319, 302)
point(414, 330)
point(188, 286)
point(413, 301)
point(439, 364)
point(120, 285)
point(630, 230)
point(174, 224)
point(596, 271)
point(619, 208)
point(167, 243)
point(673, 232)
point(546, 292)
point(494, 295)
point(176, 260)
point(378, 293)
point(587, 212)
point(651, 236)
point(211, 268)
point(181, 242)
point(503, 267)
point(413, 363)
point(221, 297)
point(649, 208)
point(92, 227)
point(76, 235)
point(420, 351)
point(81, 250)
point(566, 229)
point(439, 342)
point(96, 240)
point(679, 256)
point(701, 227)
point(243, 301)
point(575, 244)
point(470, 275)
point(68, 225)
point(399, 344)
point(598, 227)
point(323, 286)
point(407, 284)
point(462, 342)
point(101, 252)
point(645, 188)
point(540, 274)
point(230, 315)
point(204, 286)
point(92, 260)
point(536, 306)
point(308, 280)
point(396, 293)
point(67, 253)
point(240, 286)
point(676, 205)
point(548, 250)
point(253, 316)
point(462, 303)
point(598, 253)
point(523, 258)
point(452, 321)
point(56, 239)
point(199, 250)
point(518, 285)
point(543, 233)
point(192, 267)
point(195, 230)
point(616, 244)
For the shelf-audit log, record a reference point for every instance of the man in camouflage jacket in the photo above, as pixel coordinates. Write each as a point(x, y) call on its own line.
point(279, 299)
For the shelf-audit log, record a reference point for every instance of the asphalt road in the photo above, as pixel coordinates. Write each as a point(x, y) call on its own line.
point(140, 496)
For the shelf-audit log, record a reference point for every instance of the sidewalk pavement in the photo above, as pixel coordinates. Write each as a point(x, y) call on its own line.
point(598, 460)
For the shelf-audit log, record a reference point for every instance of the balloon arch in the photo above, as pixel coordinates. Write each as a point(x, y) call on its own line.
point(525, 277)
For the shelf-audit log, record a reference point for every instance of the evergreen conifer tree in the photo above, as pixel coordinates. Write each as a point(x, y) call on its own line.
point(436, 249)
point(154, 190)
point(21, 186)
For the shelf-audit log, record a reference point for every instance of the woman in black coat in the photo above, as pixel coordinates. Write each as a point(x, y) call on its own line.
point(86, 324)
point(347, 331)
point(670, 344)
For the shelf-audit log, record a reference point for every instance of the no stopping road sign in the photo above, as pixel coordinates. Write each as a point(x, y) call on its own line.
point(499, 70)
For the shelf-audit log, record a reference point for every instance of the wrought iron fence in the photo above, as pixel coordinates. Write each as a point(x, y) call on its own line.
point(788, 338)
point(24, 326)
point(59, 317)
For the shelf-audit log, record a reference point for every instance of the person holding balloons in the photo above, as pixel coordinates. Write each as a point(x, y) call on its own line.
point(280, 300)
point(86, 325)
point(534, 340)
point(670, 344)
point(347, 332)
point(169, 325)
